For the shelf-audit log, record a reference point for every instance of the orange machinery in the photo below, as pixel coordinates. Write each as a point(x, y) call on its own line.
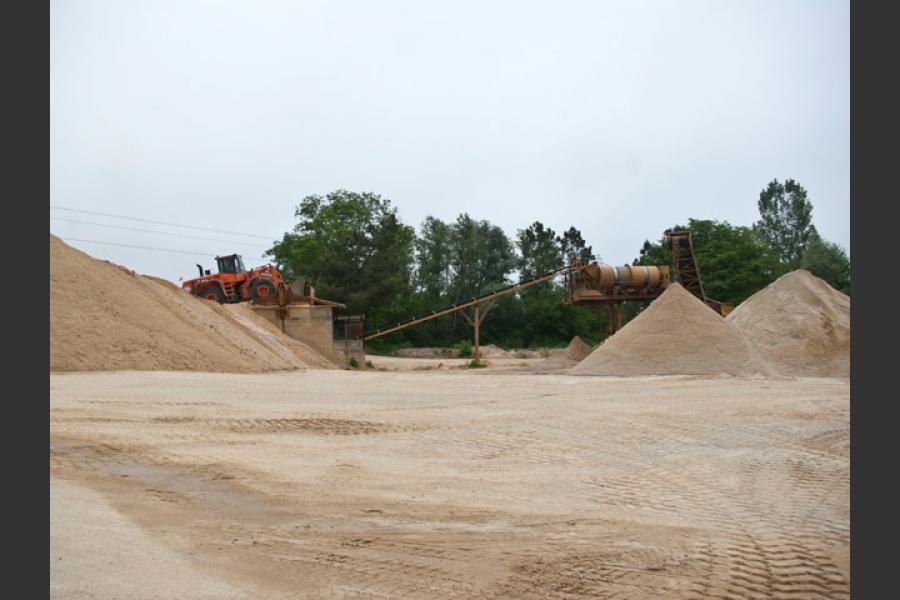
point(235, 283)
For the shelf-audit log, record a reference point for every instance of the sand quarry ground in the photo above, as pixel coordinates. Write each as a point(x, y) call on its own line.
point(447, 483)
point(188, 461)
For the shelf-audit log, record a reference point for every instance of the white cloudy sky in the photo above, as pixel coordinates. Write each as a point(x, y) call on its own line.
point(621, 118)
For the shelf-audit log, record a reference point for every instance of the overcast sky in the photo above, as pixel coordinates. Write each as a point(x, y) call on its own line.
point(620, 118)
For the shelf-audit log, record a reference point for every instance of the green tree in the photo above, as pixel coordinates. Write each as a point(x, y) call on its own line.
point(734, 261)
point(785, 222)
point(481, 257)
point(458, 261)
point(571, 243)
point(538, 251)
point(655, 254)
point(828, 261)
point(352, 247)
point(539, 254)
point(542, 318)
point(431, 285)
point(433, 274)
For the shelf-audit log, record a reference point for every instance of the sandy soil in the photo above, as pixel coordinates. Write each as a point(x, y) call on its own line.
point(447, 483)
point(676, 335)
point(105, 317)
point(406, 363)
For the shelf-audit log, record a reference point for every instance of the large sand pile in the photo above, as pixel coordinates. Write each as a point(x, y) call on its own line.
point(105, 317)
point(676, 335)
point(800, 324)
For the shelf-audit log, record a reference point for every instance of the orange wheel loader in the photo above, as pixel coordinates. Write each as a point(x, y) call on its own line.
point(234, 283)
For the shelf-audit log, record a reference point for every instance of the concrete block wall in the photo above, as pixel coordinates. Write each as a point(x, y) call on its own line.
point(312, 325)
point(351, 349)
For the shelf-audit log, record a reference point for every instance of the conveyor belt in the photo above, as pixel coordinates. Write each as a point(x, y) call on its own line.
point(462, 305)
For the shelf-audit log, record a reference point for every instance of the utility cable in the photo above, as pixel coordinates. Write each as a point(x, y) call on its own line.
point(159, 232)
point(90, 212)
point(150, 248)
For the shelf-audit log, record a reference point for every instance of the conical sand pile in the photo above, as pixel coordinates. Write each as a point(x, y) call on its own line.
point(563, 359)
point(800, 325)
point(105, 317)
point(577, 350)
point(676, 335)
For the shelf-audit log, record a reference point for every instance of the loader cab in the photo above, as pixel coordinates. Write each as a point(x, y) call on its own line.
point(231, 264)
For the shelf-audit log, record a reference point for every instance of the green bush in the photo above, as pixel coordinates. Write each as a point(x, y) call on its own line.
point(353, 363)
point(369, 364)
point(465, 349)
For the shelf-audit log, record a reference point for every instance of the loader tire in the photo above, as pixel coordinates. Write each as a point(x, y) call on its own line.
point(262, 288)
point(213, 293)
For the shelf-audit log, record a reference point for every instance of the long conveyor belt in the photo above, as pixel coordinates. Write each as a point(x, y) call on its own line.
point(462, 305)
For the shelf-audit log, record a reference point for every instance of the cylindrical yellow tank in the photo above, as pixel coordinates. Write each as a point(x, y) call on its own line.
point(640, 276)
point(606, 277)
point(645, 277)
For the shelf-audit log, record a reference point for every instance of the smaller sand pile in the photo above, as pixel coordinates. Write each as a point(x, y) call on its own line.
point(800, 324)
point(676, 335)
point(530, 353)
point(577, 349)
point(493, 351)
point(563, 359)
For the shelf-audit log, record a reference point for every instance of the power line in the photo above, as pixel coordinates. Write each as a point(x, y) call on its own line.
point(150, 248)
point(90, 212)
point(159, 232)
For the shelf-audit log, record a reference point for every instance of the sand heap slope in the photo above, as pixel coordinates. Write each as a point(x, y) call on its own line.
point(561, 360)
point(676, 335)
point(577, 349)
point(575, 352)
point(105, 317)
point(800, 325)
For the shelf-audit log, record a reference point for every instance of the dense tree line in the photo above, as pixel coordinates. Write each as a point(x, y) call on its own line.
point(354, 249)
point(735, 261)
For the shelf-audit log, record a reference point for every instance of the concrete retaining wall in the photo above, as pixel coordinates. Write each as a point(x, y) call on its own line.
point(312, 325)
point(351, 349)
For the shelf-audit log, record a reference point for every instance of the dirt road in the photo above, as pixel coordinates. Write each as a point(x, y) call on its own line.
point(447, 483)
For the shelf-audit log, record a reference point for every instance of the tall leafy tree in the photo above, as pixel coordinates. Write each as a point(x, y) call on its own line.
point(538, 251)
point(571, 243)
point(431, 284)
point(539, 254)
point(545, 320)
point(352, 247)
point(734, 261)
point(433, 248)
point(828, 261)
point(785, 222)
point(481, 257)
